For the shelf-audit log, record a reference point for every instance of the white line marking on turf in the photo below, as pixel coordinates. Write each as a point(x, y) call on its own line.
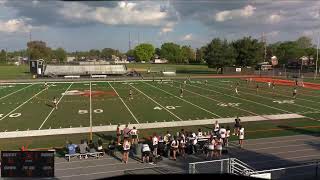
point(45, 120)
point(184, 100)
point(253, 94)
point(156, 102)
point(22, 104)
point(134, 117)
point(15, 92)
point(219, 102)
point(242, 99)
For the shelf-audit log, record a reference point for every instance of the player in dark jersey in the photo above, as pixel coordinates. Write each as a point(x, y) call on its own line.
point(130, 94)
point(257, 88)
point(181, 91)
point(294, 93)
point(55, 103)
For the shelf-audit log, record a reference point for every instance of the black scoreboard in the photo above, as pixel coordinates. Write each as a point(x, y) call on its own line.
point(27, 164)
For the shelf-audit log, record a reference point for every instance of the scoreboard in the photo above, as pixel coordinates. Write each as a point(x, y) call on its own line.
point(27, 164)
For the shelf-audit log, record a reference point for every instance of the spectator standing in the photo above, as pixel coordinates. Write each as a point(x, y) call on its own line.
point(194, 143)
point(174, 147)
point(210, 151)
point(236, 126)
point(100, 145)
point(167, 139)
point(227, 136)
point(223, 133)
point(111, 147)
point(199, 133)
point(161, 146)
point(182, 146)
point(126, 148)
point(216, 128)
point(219, 146)
point(118, 134)
point(241, 136)
point(134, 135)
point(155, 142)
point(126, 132)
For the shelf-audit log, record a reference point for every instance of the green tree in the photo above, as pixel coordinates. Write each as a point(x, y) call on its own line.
point(38, 50)
point(304, 42)
point(143, 52)
point(200, 55)
point(2, 56)
point(248, 51)
point(94, 54)
point(188, 54)
point(219, 53)
point(171, 52)
point(60, 54)
point(107, 53)
point(157, 51)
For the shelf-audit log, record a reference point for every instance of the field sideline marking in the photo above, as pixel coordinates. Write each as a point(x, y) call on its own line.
point(241, 98)
point(15, 92)
point(219, 101)
point(156, 103)
point(183, 100)
point(22, 104)
point(262, 96)
point(54, 107)
point(124, 104)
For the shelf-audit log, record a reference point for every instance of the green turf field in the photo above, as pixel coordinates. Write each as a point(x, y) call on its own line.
point(29, 106)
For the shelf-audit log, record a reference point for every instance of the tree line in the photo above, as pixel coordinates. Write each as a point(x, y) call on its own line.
point(218, 53)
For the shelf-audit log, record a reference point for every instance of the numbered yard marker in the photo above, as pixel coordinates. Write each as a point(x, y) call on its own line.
point(229, 104)
point(85, 111)
point(284, 102)
point(14, 115)
point(98, 111)
point(167, 107)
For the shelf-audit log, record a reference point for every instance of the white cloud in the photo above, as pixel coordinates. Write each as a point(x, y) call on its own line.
point(18, 25)
point(307, 33)
point(187, 37)
point(35, 2)
point(273, 34)
point(125, 13)
point(274, 18)
point(2, 2)
point(167, 28)
point(246, 11)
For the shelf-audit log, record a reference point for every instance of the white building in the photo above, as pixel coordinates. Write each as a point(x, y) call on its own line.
point(70, 58)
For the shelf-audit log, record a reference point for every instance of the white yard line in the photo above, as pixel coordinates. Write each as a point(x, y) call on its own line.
point(15, 92)
point(219, 101)
point(253, 94)
point(134, 117)
point(45, 120)
point(22, 104)
point(184, 100)
point(157, 103)
point(241, 98)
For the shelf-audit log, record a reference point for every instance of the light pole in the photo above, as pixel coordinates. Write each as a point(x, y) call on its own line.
point(316, 72)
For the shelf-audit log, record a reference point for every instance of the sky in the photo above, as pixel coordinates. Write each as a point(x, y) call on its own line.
point(85, 25)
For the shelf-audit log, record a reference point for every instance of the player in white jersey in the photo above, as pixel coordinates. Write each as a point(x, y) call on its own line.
point(241, 136)
point(134, 135)
point(223, 133)
point(236, 90)
point(155, 141)
point(227, 136)
point(45, 85)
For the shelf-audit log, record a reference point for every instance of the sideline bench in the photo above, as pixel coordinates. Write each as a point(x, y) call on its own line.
point(85, 155)
point(99, 76)
point(72, 77)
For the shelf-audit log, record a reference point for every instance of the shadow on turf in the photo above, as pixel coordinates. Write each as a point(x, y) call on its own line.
point(299, 130)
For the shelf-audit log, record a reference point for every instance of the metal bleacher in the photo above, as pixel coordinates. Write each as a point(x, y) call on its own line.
point(60, 70)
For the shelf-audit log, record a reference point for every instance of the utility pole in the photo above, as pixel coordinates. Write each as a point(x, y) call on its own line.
point(129, 42)
point(6, 56)
point(316, 73)
point(264, 41)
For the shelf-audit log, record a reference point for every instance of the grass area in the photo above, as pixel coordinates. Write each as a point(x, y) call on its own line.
point(29, 106)
point(14, 72)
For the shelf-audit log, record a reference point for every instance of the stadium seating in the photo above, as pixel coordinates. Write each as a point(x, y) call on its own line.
point(61, 70)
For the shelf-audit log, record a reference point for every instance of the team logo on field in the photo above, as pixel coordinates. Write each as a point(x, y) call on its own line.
point(284, 102)
point(229, 104)
point(87, 93)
